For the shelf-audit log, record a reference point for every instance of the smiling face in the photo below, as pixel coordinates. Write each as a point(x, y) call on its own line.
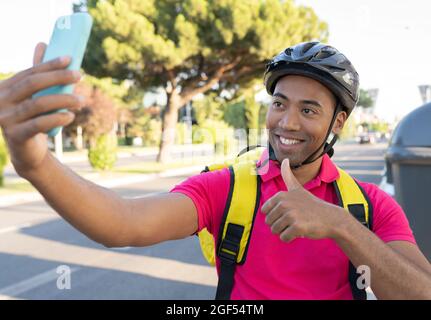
point(299, 116)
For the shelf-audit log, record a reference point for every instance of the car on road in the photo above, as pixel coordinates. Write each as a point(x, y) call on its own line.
point(367, 137)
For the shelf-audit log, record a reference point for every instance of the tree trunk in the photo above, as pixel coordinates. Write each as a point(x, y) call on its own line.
point(169, 122)
point(79, 144)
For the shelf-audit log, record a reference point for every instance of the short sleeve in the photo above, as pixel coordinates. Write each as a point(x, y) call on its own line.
point(208, 191)
point(389, 220)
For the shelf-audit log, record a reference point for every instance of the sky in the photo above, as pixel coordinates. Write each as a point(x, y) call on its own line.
point(24, 23)
point(389, 42)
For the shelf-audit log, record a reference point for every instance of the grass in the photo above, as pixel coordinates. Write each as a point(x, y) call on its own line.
point(15, 187)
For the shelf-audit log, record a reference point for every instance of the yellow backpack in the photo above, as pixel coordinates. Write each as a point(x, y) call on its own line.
point(241, 208)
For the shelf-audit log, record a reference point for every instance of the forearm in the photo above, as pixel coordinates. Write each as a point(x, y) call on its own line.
point(392, 275)
point(96, 211)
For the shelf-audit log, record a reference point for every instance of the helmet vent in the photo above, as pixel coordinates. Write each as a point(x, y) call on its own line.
point(324, 54)
point(288, 51)
point(308, 46)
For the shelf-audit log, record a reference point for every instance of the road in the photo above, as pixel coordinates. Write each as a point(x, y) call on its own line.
point(38, 249)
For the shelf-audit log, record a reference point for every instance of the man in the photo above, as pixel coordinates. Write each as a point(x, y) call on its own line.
point(301, 241)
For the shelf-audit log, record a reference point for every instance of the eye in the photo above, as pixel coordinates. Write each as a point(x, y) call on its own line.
point(277, 104)
point(308, 111)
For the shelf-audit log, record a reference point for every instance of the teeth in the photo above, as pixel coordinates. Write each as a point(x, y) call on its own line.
point(289, 141)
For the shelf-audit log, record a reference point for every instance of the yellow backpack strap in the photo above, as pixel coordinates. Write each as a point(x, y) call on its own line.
point(206, 239)
point(249, 158)
point(218, 166)
point(235, 229)
point(237, 221)
point(354, 199)
point(242, 204)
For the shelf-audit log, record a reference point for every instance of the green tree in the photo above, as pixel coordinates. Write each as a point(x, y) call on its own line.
point(251, 114)
point(210, 106)
point(263, 110)
point(188, 47)
point(365, 100)
point(349, 129)
point(97, 117)
point(380, 126)
point(243, 112)
point(145, 126)
point(234, 115)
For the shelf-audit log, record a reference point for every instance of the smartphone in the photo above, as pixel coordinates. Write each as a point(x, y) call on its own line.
point(69, 38)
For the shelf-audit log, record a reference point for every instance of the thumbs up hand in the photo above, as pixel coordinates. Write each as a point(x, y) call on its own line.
point(288, 177)
point(297, 213)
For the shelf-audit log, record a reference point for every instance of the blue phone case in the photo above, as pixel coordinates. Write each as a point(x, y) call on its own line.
point(69, 38)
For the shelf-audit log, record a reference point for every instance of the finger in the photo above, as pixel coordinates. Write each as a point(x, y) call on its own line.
point(41, 124)
point(37, 82)
point(288, 177)
point(274, 214)
point(55, 64)
point(282, 223)
point(272, 202)
point(267, 206)
point(31, 108)
point(289, 234)
point(39, 51)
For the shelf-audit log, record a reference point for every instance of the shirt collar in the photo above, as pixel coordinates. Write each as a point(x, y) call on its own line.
point(270, 169)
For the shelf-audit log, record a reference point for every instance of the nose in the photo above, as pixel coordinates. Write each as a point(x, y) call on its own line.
point(290, 120)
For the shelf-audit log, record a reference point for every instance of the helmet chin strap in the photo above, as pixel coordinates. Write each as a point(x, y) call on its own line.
point(326, 149)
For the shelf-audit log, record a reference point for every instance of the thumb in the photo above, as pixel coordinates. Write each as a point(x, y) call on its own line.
point(288, 177)
point(39, 51)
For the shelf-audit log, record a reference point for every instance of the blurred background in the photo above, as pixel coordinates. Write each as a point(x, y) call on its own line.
point(192, 69)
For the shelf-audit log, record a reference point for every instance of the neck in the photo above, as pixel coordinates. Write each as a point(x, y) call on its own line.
point(308, 172)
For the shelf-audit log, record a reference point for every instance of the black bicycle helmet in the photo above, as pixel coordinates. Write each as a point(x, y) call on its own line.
point(320, 62)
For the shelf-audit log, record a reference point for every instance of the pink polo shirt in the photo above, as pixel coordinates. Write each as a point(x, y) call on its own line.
point(303, 268)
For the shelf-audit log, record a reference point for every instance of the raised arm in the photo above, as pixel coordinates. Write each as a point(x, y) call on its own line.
point(98, 212)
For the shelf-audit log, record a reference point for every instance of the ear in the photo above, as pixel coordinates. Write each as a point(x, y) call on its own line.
point(339, 122)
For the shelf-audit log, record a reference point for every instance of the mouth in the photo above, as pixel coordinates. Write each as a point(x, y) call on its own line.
point(288, 143)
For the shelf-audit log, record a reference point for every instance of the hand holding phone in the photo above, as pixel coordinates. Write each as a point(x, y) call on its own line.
point(69, 38)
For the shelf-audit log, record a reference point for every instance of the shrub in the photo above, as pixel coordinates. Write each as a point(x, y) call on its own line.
point(103, 154)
